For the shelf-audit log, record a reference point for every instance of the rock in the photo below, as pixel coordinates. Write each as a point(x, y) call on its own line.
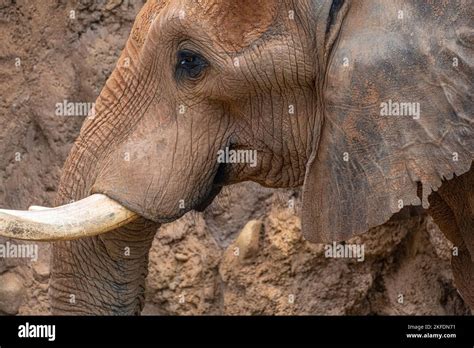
point(248, 240)
point(209, 292)
point(181, 257)
point(111, 4)
point(41, 270)
point(172, 286)
point(11, 293)
point(285, 234)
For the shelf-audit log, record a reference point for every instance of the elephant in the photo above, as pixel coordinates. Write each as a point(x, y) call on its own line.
point(365, 104)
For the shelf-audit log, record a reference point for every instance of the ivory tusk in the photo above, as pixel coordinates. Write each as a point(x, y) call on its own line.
point(37, 208)
point(90, 216)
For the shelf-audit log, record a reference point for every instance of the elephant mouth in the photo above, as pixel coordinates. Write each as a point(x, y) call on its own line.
point(220, 179)
point(208, 199)
point(91, 216)
point(96, 214)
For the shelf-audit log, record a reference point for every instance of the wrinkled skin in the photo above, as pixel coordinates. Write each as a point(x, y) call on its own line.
point(153, 143)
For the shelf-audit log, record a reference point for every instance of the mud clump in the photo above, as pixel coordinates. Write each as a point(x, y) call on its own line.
point(11, 293)
point(215, 262)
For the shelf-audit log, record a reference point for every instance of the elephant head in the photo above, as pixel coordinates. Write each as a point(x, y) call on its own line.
point(353, 100)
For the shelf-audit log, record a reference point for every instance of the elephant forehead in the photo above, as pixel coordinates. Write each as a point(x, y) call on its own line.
point(145, 19)
point(233, 25)
point(236, 24)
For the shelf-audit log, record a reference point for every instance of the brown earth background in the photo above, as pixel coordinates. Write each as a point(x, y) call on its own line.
point(194, 268)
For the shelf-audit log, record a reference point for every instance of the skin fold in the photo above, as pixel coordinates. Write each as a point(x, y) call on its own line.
point(300, 83)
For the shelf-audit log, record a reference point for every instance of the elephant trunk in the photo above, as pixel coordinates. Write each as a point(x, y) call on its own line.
point(103, 274)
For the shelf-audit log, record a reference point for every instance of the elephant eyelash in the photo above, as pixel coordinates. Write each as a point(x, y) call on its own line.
point(189, 65)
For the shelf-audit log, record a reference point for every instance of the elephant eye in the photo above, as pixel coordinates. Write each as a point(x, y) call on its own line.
point(190, 65)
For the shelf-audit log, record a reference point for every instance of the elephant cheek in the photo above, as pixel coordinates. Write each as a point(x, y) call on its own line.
point(137, 185)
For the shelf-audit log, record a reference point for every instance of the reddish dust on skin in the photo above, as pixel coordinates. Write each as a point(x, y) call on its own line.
point(285, 263)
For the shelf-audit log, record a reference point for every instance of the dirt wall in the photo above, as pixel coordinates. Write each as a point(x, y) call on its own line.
point(244, 254)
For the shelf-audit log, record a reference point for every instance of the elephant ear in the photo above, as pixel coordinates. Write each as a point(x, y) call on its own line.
point(398, 114)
